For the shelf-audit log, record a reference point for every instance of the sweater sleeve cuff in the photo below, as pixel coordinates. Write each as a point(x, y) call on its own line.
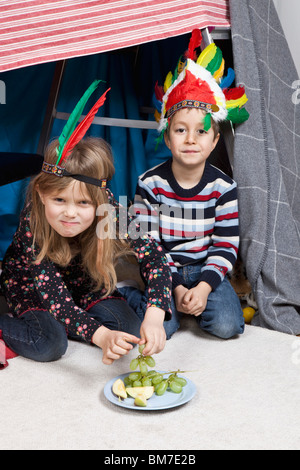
point(177, 280)
point(164, 306)
point(211, 277)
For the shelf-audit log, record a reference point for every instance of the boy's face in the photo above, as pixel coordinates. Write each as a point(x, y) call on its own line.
point(189, 143)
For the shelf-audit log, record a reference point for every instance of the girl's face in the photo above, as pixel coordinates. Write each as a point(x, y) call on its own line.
point(189, 143)
point(71, 211)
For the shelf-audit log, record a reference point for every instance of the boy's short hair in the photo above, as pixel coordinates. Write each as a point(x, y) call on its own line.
point(216, 127)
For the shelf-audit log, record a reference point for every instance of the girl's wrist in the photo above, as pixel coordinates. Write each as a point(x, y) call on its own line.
point(97, 337)
point(155, 313)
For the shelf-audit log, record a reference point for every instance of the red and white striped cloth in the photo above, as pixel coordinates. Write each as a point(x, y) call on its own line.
point(35, 31)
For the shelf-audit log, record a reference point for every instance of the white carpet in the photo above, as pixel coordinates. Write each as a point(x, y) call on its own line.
point(247, 398)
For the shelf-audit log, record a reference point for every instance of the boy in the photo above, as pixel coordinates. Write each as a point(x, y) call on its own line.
point(189, 206)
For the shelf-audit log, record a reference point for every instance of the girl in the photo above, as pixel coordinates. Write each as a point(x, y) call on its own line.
point(59, 276)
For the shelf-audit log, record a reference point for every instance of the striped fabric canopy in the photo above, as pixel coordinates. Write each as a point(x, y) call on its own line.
point(36, 31)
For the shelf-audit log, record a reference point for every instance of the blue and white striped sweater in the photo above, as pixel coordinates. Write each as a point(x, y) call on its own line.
point(194, 226)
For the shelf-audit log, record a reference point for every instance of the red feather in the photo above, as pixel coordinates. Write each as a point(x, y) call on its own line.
point(159, 92)
point(195, 42)
point(190, 88)
point(234, 93)
point(82, 127)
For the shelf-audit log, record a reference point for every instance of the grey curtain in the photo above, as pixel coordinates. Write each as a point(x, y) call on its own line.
point(267, 164)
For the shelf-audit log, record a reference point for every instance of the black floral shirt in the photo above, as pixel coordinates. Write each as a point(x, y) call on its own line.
point(67, 293)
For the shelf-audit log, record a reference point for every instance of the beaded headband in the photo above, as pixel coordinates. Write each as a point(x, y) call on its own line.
point(59, 171)
point(192, 104)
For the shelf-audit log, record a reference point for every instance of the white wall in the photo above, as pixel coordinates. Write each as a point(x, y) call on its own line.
point(289, 15)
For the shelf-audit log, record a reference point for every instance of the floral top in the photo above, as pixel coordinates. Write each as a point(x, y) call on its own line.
point(67, 292)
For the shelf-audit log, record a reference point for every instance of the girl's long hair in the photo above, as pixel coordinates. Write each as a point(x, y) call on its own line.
point(91, 157)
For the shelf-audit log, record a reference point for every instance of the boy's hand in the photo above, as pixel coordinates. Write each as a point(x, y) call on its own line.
point(152, 331)
point(195, 300)
point(114, 344)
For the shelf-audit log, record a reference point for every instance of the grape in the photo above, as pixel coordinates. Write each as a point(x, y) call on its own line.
point(152, 373)
point(147, 382)
point(180, 380)
point(175, 386)
point(150, 361)
point(141, 348)
point(134, 376)
point(137, 383)
point(161, 388)
point(143, 367)
point(134, 364)
point(127, 382)
point(157, 379)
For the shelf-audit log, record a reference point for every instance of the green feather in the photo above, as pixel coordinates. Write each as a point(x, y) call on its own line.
point(237, 115)
point(176, 72)
point(215, 62)
point(74, 118)
point(207, 122)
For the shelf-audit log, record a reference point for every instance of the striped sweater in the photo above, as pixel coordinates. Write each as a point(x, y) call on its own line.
point(194, 226)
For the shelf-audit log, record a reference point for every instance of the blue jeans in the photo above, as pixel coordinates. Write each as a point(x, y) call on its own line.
point(38, 336)
point(223, 316)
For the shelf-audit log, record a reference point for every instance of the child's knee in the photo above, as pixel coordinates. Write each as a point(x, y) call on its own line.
point(224, 322)
point(229, 329)
point(50, 350)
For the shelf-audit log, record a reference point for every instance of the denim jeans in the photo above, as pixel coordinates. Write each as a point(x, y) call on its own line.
point(223, 316)
point(38, 336)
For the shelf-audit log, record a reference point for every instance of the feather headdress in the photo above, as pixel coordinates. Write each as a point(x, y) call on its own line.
point(71, 135)
point(199, 82)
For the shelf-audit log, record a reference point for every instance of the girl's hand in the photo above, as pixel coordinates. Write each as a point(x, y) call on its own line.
point(152, 331)
point(114, 344)
point(179, 294)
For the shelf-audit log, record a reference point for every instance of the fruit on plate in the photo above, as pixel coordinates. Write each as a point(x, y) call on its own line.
point(133, 392)
point(142, 384)
point(119, 389)
point(140, 400)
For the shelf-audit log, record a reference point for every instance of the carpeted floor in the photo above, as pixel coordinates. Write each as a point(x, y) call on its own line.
point(247, 398)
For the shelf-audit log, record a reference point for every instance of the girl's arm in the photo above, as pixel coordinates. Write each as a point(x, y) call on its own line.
point(156, 273)
point(154, 266)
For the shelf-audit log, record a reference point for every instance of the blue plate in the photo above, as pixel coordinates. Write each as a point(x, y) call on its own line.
point(164, 402)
